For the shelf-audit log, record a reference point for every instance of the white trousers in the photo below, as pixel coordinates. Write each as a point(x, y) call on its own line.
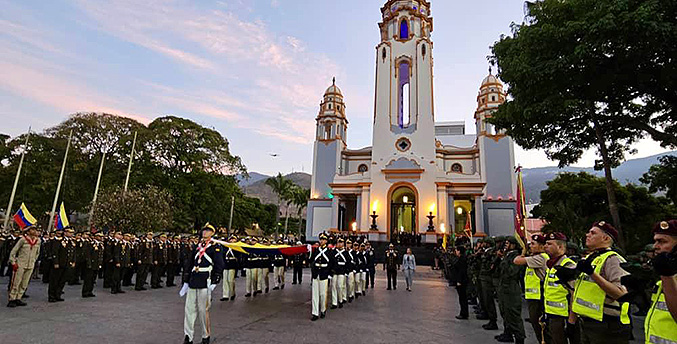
point(338, 289)
point(319, 296)
point(351, 284)
point(251, 280)
point(358, 283)
point(229, 283)
point(279, 275)
point(197, 307)
point(363, 279)
point(262, 278)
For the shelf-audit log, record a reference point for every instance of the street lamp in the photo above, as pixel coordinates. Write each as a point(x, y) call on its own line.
point(431, 226)
point(373, 216)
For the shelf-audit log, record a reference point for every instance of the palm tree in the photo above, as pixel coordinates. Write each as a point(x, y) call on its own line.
point(301, 197)
point(280, 186)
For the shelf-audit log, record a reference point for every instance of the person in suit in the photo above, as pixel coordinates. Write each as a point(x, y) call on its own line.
point(460, 277)
point(409, 267)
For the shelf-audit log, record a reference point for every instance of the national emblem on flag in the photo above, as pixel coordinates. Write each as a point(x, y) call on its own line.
point(23, 217)
point(61, 219)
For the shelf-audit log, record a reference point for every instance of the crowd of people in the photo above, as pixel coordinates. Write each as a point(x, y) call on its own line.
point(571, 298)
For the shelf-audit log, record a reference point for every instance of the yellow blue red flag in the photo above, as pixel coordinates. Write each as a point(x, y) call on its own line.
point(23, 217)
point(61, 219)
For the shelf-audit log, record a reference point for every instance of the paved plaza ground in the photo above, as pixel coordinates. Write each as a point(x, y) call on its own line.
point(425, 315)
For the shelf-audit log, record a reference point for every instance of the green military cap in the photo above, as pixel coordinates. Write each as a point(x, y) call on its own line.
point(490, 240)
point(511, 239)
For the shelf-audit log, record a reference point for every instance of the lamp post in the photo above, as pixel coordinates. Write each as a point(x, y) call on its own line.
point(373, 216)
point(431, 225)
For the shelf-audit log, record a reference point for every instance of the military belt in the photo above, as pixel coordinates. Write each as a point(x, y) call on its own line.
point(321, 265)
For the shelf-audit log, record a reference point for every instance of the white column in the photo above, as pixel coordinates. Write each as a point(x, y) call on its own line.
point(452, 213)
point(442, 209)
point(479, 216)
point(365, 221)
point(334, 211)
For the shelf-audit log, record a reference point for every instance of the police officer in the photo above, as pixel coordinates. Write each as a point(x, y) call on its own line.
point(603, 319)
point(338, 283)
point(230, 267)
point(201, 273)
point(557, 293)
point(320, 263)
point(391, 265)
point(533, 280)
point(660, 326)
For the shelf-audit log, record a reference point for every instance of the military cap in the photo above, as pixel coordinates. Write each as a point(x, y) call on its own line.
point(69, 229)
point(607, 228)
point(99, 234)
point(666, 227)
point(232, 237)
point(177, 237)
point(323, 236)
point(163, 235)
point(280, 242)
point(490, 240)
point(151, 233)
point(299, 243)
point(557, 236)
point(362, 245)
point(539, 238)
point(254, 239)
point(208, 226)
point(391, 245)
point(340, 240)
point(348, 242)
point(127, 235)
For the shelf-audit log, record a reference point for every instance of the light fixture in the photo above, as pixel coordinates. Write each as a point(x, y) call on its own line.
point(374, 206)
point(442, 227)
point(459, 211)
point(405, 199)
point(354, 226)
point(432, 208)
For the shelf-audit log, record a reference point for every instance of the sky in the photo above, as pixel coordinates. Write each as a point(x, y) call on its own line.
point(255, 70)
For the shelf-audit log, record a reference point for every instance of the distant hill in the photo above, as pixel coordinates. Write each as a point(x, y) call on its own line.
point(253, 178)
point(265, 193)
point(630, 171)
point(535, 179)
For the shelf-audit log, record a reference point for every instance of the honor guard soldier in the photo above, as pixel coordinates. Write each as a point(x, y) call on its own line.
point(604, 320)
point(363, 268)
point(201, 273)
point(357, 269)
point(159, 262)
point(230, 266)
point(279, 262)
point(350, 269)
point(391, 265)
point(250, 270)
point(533, 281)
point(338, 283)
point(71, 253)
point(109, 242)
point(74, 276)
point(173, 259)
point(557, 294)
point(22, 260)
point(144, 261)
point(120, 260)
point(128, 270)
point(660, 326)
point(59, 259)
point(320, 263)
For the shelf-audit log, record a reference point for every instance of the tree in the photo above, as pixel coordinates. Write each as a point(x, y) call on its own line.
point(572, 202)
point(281, 187)
point(301, 197)
point(663, 177)
point(590, 73)
point(137, 210)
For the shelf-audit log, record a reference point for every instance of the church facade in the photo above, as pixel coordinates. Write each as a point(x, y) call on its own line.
point(419, 176)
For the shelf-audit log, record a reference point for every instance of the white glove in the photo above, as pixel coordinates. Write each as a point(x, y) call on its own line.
point(212, 287)
point(183, 290)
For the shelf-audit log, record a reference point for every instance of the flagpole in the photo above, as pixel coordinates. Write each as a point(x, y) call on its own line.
point(131, 158)
point(16, 180)
point(230, 221)
point(96, 190)
point(58, 186)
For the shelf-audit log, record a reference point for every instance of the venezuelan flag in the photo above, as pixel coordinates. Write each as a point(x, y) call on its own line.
point(23, 217)
point(264, 250)
point(61, 219)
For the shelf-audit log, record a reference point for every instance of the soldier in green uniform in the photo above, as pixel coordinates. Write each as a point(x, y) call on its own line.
point(533, 280)
point(510, 293)
point(486, 281)
point(497, 257)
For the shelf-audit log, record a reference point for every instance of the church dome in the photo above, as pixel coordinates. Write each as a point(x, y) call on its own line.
point(490, 79)
point(333, 89)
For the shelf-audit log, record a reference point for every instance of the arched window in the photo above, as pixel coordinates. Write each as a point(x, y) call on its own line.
point(404, 117)
point(404, 29)
point(383, 53)
point(329, 106)
point(457, 168)
point(327, 131)
point(423, 50)
point(362, 168)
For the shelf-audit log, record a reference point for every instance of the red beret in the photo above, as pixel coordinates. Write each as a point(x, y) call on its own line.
point(538, 238)
point(607, 228)
point(557, 236)
point(666, 227)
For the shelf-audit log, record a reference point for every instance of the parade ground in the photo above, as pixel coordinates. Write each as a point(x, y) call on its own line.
point(425, 315)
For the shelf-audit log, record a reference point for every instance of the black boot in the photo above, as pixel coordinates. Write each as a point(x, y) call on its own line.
point(187, 340)
point(315, 317)
point(505, 338)
point(12, 304)
point(490, 326)
point(205, 340)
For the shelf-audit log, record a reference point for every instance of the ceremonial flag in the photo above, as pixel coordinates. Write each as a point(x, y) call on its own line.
point(23, 217)
point(521, 210)
point(61, 219)
point(444, 242)
point(265, 250)
point(468, 228)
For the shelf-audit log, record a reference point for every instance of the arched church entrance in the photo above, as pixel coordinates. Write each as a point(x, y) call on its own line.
point(403, 201)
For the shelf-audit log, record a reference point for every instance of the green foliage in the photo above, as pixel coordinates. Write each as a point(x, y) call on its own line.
point(572, 202)
point(138, 210)
point(663, 177)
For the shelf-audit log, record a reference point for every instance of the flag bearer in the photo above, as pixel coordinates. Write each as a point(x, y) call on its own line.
point(557, 293)
point(603, 319)
point(230, 259)
point(320, 264)
point(533, 280)
point(279, 262)
point(660, 326)
point(202, 272)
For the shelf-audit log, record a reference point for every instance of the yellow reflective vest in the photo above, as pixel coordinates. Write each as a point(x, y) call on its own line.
point(556, 302)
point(532, 283)
point(659, 326)
point(588, 299)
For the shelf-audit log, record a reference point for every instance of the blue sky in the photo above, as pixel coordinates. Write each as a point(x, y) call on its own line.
point(255, 70)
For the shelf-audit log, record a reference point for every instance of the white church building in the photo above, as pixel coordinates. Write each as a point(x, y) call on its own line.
point(419, 176)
